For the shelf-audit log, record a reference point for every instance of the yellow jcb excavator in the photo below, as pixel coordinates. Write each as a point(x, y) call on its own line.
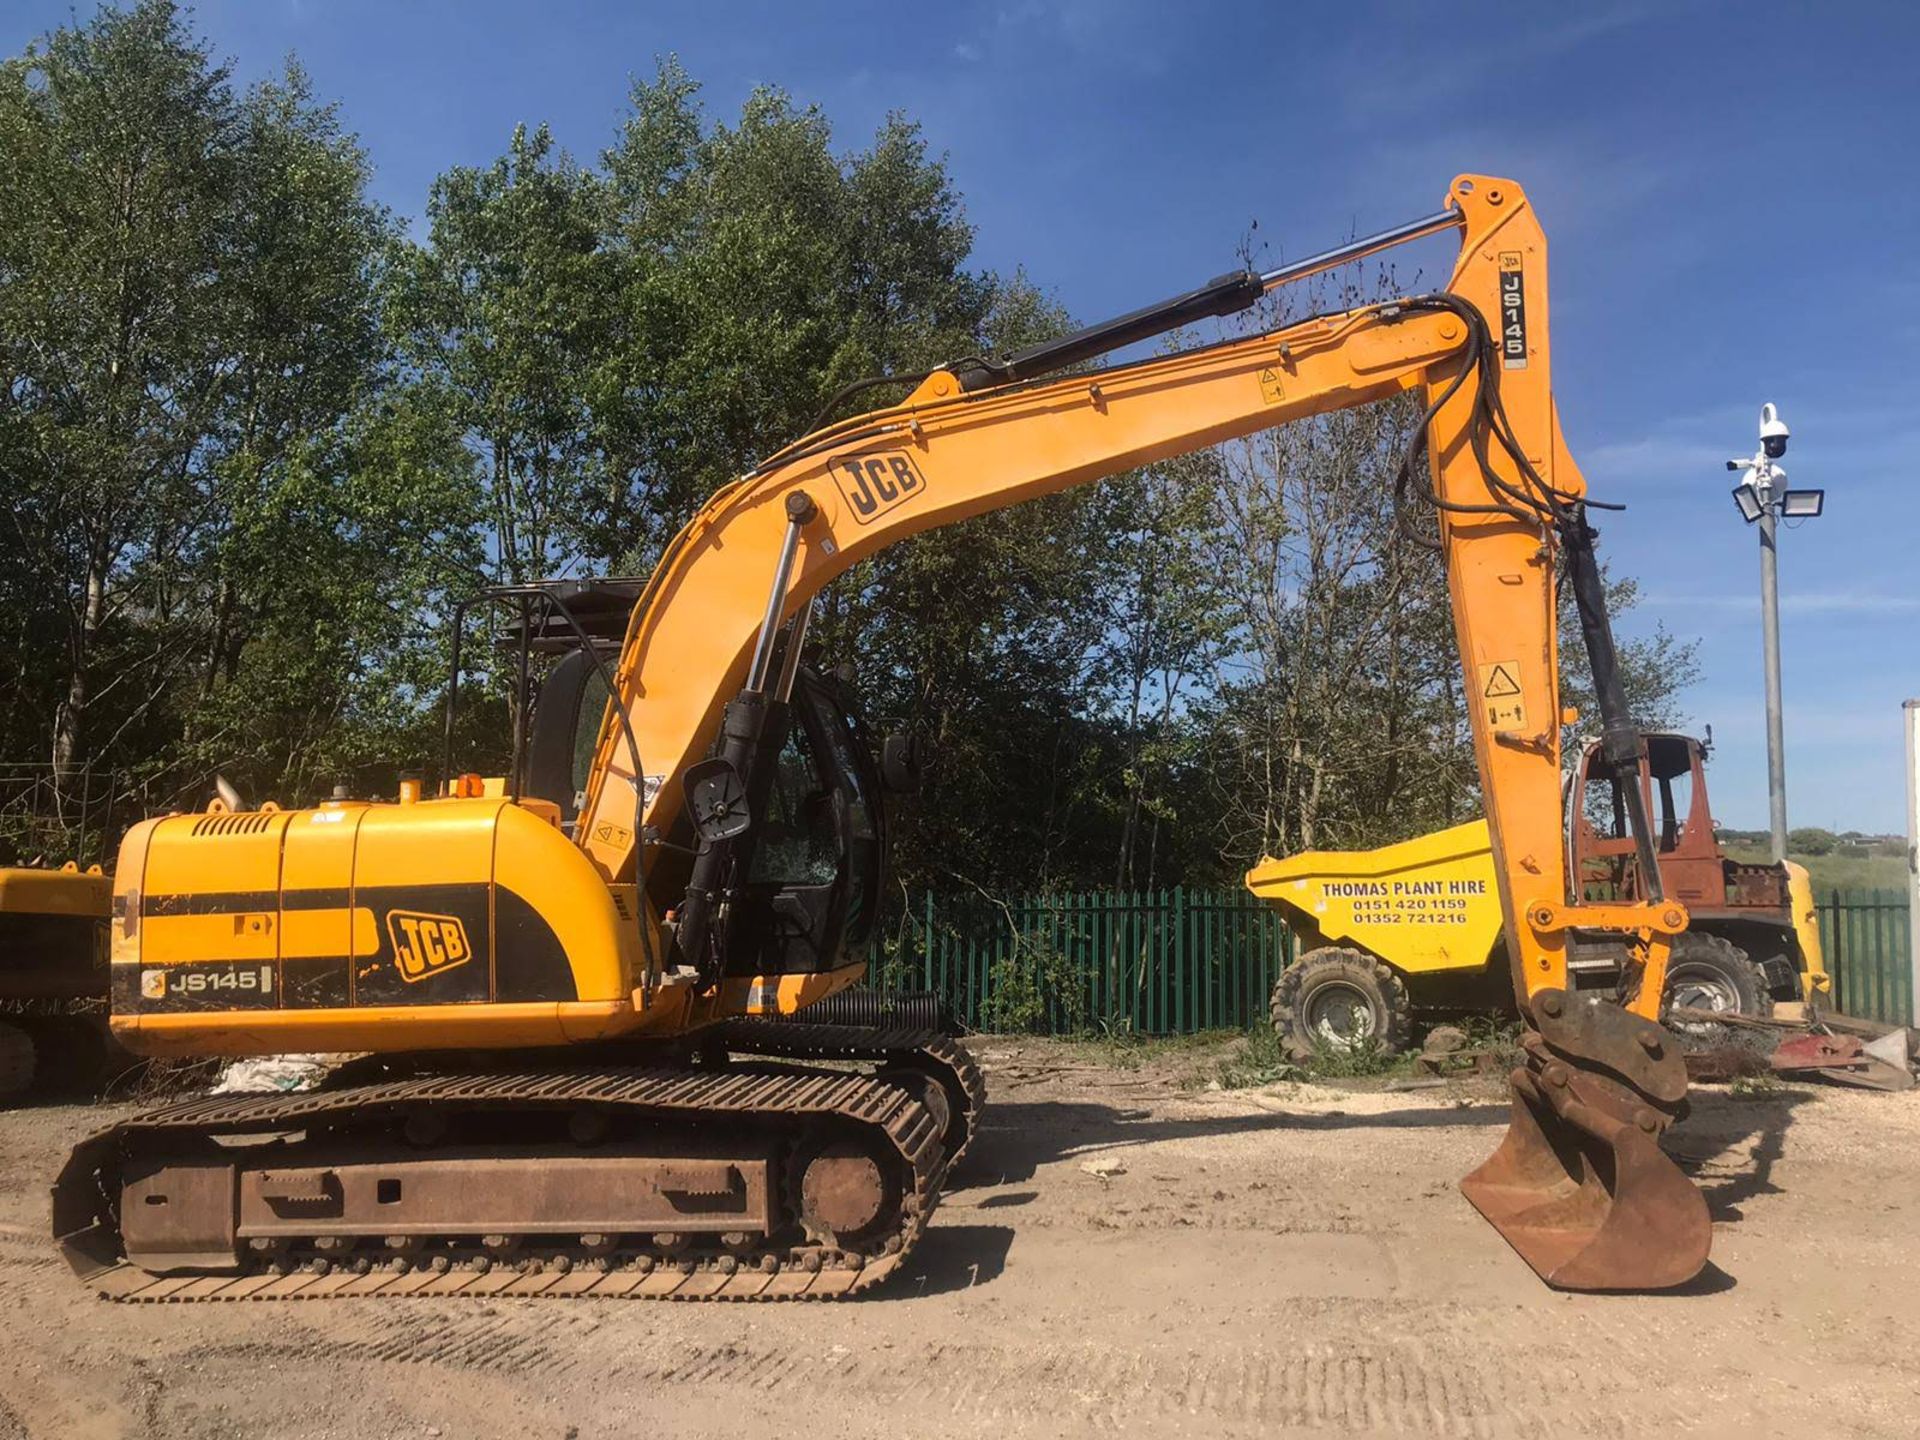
point(574, 1083)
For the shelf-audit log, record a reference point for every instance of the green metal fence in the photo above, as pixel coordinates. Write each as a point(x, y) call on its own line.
point(1159, 962)
point(1170, 962)
point(1865, 936)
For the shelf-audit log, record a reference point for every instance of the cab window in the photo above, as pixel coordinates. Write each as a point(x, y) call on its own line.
point(799, 843)
point(586, 734)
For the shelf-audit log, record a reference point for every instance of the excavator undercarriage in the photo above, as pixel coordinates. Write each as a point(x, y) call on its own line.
point(788, 1162)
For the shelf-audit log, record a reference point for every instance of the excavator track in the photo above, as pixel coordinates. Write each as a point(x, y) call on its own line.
point(896, 1048)
point(751, 1216)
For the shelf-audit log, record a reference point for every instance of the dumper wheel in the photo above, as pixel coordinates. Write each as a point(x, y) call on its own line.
point(1710, 972)
point(1339, 999)
point(16, 1060)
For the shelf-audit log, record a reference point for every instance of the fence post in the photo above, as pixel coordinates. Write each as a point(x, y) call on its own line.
point(926, 943)
point(1180, 982)
point(1158, 994)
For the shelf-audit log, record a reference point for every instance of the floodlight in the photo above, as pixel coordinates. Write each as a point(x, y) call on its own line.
point(1802, 504)
point(1748, 501)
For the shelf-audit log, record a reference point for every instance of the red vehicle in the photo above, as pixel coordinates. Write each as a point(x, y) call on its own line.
point(1753, 936)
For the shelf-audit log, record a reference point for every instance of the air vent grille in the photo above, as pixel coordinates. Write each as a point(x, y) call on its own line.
point(251, 824)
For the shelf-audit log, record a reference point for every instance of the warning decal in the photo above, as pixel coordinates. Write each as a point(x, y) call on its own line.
point(1500, 695)
point(1270, 386)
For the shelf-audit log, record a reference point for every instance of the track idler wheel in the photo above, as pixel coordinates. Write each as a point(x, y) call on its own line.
point(845, 1194)
point(1579, 1186)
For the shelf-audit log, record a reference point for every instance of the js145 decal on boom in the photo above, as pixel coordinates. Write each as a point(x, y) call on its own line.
point(589, 1099)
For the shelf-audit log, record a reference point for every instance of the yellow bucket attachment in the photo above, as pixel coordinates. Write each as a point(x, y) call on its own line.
point(1579, 1186)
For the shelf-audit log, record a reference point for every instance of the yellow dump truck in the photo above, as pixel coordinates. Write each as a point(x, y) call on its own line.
point(1416, 926)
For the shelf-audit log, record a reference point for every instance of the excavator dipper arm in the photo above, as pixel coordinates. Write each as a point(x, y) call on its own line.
point(1579, 1186)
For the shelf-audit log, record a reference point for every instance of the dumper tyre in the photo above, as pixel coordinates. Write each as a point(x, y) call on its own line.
point(18, 1060)
point(1710, 972)
point(1339, 997)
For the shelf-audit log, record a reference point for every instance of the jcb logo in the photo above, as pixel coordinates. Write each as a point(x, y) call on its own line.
point(426, 945)
point(874, 484)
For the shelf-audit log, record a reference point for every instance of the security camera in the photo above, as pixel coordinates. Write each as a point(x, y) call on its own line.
point(1773, 432)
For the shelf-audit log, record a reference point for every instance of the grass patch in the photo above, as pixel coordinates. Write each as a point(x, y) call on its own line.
point(1835, 871)
point(1499, 1034)
point(1258, 1058)
point(1255, 1059)
point(1247, 1059)
point(1358, 1061)
point(1755, 1087)
point(1120, 1047)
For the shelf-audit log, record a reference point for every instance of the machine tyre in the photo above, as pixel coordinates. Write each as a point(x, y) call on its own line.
point(1710, 972)
point(18, 1060)
point(1317, 990)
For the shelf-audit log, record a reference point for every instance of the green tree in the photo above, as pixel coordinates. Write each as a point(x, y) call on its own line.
point(762, 271)
point(502, 319)
point(187, 326)
point(117, 169)
point(1165, 625)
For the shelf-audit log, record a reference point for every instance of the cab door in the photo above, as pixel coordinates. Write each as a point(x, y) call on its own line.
point(814, 868)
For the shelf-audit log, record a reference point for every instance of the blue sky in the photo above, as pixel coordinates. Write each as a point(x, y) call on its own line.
point(1730, 192)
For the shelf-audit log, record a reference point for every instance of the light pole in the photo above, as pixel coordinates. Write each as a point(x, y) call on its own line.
point(1912, 708)
point(1763, 496)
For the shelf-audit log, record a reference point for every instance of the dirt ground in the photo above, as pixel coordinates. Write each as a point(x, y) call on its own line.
point(1288, 1261)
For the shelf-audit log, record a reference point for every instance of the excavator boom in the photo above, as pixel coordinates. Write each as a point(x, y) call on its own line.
point(496, 918)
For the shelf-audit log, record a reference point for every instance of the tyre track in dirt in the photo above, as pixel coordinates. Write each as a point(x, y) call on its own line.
point(512, 1340)
point(1397, 1389)
point(1394, 1390)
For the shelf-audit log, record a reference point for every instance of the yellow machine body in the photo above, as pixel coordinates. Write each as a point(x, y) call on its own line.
point(68, 891)
point(53, 926)
point(1814, 979)
point(449, 923)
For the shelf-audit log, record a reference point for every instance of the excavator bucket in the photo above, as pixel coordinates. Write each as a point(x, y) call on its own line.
point(1579, 1186)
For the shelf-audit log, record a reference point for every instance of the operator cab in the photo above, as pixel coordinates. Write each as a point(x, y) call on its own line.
point(1693, 867)
point(1674, 783)
point(814, 857)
